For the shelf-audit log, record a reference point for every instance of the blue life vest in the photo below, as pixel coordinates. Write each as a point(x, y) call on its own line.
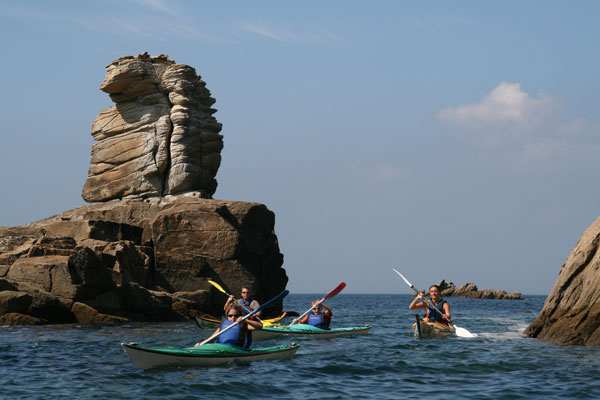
point(435, 316)
point(245, 305)
point(235, 336)
point(316, 320)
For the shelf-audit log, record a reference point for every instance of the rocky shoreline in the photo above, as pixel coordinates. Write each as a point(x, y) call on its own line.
point(470, 290)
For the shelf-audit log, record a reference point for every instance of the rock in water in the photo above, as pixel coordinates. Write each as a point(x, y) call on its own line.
point(136, 259)
point(147, 250)
point(160, 138)
point(571, 313)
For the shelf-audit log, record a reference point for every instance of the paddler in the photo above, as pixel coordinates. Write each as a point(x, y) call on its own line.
point(246, 301)
point(437, 301)
point(317, 317)
point(241, 334)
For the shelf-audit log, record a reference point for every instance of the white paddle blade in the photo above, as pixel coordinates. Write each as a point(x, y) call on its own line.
point(462, 332)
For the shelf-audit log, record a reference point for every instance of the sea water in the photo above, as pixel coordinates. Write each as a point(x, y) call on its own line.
point(83, 362)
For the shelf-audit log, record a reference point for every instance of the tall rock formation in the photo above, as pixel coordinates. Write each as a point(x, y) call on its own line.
point(160, 138)
point(147, 250)
point(571, 313)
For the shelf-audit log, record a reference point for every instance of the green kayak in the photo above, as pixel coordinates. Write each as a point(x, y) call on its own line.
point(206, 356)
point(307, 330)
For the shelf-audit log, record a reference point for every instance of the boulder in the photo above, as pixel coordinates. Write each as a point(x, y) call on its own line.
point(160, 138)
point(470, 290)
point(571, 312)
point(146, 260)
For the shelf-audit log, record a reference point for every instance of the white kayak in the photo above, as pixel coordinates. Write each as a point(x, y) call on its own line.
point(424, 329)
point(206, 356)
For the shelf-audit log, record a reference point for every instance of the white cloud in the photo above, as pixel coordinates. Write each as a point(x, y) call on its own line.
point(506, 104)
point(511, 128)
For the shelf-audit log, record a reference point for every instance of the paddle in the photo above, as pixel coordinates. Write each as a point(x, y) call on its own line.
point(274, 300)
point(460, 332)
point(215, 284)
point(334, 292)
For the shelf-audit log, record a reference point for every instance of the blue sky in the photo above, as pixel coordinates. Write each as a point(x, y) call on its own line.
point(452, 140)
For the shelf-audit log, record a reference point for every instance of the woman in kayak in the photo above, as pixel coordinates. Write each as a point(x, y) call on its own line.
point(241, 334)
point(317, 317)
point(436, 301)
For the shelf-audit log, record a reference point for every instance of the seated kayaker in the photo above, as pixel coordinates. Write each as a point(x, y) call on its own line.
point(437, 301)
point(317, 317)
point(241, 334)
point(246, 301)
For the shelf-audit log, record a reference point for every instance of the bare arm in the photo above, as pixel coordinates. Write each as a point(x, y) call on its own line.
point(417, 304)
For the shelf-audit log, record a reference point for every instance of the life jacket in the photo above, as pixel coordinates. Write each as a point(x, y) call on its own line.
point(435, 316)
point(318, 321)
point(235, 336)
point(246, 305)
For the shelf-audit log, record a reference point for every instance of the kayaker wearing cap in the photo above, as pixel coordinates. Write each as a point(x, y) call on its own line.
point(246, 301)
point(317, 317)
point(432, 315)
point(241, 334)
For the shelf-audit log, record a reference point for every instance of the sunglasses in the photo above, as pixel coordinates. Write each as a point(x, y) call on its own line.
point(233, 315)
point(244, 292)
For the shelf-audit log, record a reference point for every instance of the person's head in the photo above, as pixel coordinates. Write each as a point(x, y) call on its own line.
point(317, 309)
point(434, 291)
point(245, 293)
point(233, 312)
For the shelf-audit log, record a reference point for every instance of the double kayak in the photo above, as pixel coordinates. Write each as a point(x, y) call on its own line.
point(205, 356)
point(425, 329)
point(269, 332)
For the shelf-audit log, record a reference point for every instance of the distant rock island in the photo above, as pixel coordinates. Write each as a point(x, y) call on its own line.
point(470, 290)
point(145, 250)
point(571, 313)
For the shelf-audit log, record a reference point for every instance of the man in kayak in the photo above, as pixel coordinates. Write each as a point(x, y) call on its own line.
point(241, 334)
point(436, 301)
point(246, 301)
point(317, 317)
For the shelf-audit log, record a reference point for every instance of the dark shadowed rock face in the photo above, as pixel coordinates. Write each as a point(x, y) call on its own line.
point(160, 138)
point(137, 260)
point(571, 313)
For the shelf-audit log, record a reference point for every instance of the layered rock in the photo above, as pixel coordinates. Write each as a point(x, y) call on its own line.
point(137, 260)
point(571, 313)
point(160, 138)
point(470, 290)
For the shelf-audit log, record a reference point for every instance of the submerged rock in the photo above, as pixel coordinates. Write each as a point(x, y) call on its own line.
point(571, 313)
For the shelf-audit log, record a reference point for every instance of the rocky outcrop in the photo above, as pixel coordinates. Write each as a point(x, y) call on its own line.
point(160, 138)
point(142, 260)
point(571, 313)
point(470, 290)
point(147, 251)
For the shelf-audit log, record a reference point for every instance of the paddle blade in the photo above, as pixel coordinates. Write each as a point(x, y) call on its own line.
point(215, 284)
point(462, 332)
point(334, 292)
point(405, 280)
